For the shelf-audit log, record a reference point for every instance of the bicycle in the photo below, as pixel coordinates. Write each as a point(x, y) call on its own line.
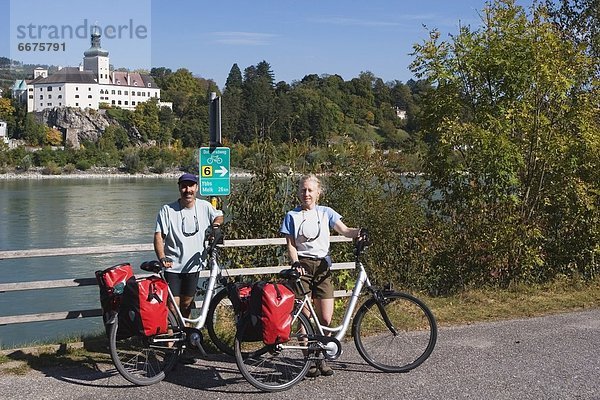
point(393, 332)
point(146, 360)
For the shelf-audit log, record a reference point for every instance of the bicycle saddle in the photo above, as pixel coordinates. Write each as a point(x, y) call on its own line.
point(151, 266)
point(290, 274)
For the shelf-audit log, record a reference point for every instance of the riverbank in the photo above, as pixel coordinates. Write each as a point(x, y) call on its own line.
point(98, 172)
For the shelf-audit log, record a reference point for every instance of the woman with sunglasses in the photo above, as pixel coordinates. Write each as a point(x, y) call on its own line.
point(179, 241)
point(307, 229)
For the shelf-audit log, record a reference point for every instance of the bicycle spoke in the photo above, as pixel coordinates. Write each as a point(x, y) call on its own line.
point(402, 345)
point(141, 362)
point(274, 367)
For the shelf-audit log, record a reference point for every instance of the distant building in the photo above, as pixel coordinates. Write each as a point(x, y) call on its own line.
point(3, 132)
point(400, 113)
point(87, 86)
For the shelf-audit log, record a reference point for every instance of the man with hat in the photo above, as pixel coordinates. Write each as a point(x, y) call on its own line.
point(179, 240)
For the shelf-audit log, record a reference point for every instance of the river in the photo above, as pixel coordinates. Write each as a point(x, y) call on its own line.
point(51, 213)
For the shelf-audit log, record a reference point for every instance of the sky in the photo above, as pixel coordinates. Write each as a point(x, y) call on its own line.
point(297, 38)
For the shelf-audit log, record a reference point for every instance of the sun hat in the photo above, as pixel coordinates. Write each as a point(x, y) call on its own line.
point(187, 177)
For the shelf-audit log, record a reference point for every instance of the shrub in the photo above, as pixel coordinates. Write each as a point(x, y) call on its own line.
point(26, 162)
point(52, 169)
point(69, 168)
point(132, 162)
point(83, 165)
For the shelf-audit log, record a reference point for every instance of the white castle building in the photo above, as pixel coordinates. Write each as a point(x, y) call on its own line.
point(87, 86)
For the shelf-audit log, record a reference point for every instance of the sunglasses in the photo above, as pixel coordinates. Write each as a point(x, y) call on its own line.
point(303, 229)
point(188, 234)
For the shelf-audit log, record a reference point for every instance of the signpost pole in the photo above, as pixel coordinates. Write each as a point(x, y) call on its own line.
point(214, 118)
point(214, 130)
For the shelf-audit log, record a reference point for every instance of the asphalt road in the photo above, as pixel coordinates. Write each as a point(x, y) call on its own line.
point(553, 357)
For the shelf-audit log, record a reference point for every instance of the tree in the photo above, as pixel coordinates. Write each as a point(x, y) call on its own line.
point(160, 75)
point(145, 119)
point(7, 113)
point(114, 137)
point(579, 21)
point(53, 137)
point(166, 118)
point(179, 87)
point(34, 133)
point(259, 99)
point(232, 107)
point(514, 156)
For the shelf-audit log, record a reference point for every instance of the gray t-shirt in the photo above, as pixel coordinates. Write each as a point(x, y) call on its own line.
point(310, 229)
point(183, 230)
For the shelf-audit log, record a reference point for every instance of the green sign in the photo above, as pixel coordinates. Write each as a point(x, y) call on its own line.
point(214, 171)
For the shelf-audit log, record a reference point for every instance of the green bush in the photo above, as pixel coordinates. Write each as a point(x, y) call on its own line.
point(132, 162)
point(83, 165)
point(26, 162)
point(52, 169)
point(69, 168)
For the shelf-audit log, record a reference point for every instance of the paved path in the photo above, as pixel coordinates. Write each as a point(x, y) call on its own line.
point(553, 357)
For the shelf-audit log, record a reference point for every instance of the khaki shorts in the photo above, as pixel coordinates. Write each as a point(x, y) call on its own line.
point(317, 278)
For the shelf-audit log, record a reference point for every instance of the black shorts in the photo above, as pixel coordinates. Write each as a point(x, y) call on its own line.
point(182, 284)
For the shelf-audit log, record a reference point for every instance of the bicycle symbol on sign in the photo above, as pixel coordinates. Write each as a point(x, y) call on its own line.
point(214, 158)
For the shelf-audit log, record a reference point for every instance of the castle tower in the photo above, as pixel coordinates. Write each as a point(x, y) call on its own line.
point(96, 58)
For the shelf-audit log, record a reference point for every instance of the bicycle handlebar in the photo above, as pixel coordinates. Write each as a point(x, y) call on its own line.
point(152, 266)
point(362, 242)
point(215, 236)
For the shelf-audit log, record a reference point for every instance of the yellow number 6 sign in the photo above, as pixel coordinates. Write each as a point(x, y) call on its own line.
point(207, 171)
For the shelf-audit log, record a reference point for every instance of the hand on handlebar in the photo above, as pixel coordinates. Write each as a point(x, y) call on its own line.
point(362, 241)
point(166, 262)
point(214, 233)
point(298, 267)
point(363, 235)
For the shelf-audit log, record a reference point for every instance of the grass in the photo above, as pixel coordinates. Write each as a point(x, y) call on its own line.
point(481, 305)
point(476, 305)
point(83, 353)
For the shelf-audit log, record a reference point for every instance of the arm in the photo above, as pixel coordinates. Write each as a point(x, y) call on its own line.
point(343, 230)
point(159, 249)
point(293, 253)
point(291, 247)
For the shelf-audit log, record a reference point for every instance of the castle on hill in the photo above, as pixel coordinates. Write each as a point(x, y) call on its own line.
point(90, 85)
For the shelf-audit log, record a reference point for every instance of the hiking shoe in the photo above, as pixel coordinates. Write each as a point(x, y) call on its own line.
point(313, 371)
point(325, 369)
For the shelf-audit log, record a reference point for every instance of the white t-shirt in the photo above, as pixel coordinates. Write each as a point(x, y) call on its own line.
point(183, 230)
point(310, 229)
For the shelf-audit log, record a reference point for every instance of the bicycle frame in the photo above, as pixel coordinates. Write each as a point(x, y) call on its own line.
point(198, 322)
point(362, 280)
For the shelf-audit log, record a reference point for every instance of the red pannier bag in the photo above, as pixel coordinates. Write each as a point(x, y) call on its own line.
point(112, 283)
point(144, 308)
point(275, 302)
point(239, 295)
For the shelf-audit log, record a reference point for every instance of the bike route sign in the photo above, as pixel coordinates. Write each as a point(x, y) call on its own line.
point(214, 171)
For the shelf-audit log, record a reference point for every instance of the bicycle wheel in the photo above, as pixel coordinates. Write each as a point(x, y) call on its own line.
point(273, 368)
point(405, 343)
point(145, 360)
point(221, 322)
